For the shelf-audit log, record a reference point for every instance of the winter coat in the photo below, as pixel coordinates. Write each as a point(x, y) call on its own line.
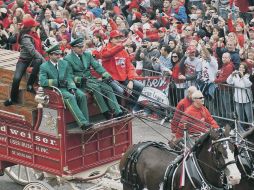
point(181, 107)
point(242, 93)
point(200, 121)
point(28, 50)
point(82, 68)
point(225, 71)
point(116, 61)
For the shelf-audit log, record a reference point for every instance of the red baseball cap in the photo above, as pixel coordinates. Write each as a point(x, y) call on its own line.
point(29, 22)
point(96, 2)
point(115, 33)
point(163, 29)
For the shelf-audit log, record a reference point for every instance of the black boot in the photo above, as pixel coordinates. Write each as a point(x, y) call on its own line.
point(108, 115)
point(9, 102)
point(87, 126)
point(30, 83)
point(30, 89)
point(121, 114)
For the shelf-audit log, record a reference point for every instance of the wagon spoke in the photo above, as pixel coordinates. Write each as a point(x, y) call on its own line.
point(10, 169)
point(19, 171)
point(27, 174)
point(38, 185)
point(23, 175)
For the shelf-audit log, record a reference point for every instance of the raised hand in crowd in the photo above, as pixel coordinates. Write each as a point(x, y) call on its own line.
point(127, 42)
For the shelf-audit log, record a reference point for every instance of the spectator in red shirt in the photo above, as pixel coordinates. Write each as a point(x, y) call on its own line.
point(116, 61)
point(180, 108)
point(224, 92)
point(197, 118)
point(226, 70)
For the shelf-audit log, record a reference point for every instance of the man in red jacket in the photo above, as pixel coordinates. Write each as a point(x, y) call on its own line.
point(116, 61)
point(224, 92)
point(180, 108)
point(197, 118)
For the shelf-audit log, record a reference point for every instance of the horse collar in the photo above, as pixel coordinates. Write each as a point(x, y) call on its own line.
point(196, 176)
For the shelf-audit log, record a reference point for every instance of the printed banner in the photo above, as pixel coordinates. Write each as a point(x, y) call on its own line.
point(156, 95)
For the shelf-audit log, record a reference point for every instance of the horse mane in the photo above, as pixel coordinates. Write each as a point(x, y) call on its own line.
point(200, 142)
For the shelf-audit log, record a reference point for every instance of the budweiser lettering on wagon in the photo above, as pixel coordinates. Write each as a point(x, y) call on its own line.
point(28, 135)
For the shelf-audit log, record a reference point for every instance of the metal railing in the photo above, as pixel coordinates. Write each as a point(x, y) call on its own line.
point(225, 102)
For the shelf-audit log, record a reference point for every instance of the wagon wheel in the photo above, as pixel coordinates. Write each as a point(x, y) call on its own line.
point(23, 175)
point(38, 185)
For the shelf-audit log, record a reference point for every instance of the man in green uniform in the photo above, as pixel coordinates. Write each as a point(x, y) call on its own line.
point(80, 63)
point(56, 72)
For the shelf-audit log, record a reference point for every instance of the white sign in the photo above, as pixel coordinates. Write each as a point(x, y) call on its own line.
point(154, 95)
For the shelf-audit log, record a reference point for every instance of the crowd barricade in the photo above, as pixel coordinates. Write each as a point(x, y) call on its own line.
point(155, 87)
point(230, 103)
point(154, 79)
point(225, 102)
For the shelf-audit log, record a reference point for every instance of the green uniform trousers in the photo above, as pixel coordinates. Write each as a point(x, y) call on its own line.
point(101, 92)
point(77, 105)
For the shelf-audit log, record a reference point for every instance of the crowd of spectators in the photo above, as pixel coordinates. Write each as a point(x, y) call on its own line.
point(193, 41)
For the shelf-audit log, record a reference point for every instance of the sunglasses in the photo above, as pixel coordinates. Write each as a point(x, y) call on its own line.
point(174, 56)
point(200, 98)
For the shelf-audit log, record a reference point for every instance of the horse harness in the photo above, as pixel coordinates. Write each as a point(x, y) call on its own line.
point(129, 175)
point(245, 161)
point(193, 170)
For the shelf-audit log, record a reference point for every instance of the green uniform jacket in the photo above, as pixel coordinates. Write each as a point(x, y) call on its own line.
point(77, 104)
point(49, 76)
point(82, 69)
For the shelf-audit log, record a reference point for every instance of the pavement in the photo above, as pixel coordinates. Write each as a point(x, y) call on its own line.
point(142, 131)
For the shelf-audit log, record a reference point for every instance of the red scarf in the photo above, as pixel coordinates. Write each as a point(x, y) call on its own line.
point(177, 10)
point(37, 42)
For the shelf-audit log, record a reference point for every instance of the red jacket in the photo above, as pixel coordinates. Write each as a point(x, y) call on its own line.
point(225, 71)
point(176, 73)
point(116, 61)
point(240, 37)
point(152, 34)
point(243, 5)
point(6, 22)
point(181, 107)
point(26, 7)
point(201, 121)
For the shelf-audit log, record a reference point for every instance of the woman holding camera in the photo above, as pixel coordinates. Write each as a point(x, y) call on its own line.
point(242, 94)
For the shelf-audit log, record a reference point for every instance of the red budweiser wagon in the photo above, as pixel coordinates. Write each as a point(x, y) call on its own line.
point(37, 139)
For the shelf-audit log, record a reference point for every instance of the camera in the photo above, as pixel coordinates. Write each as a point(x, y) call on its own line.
point(215, 20)
point(154, 58)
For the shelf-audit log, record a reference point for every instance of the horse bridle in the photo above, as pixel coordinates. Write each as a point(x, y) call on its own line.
point(223, 167)
point(227, 139)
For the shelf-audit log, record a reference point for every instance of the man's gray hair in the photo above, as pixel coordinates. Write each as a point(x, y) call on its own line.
point(191, 89)
point(196, 94)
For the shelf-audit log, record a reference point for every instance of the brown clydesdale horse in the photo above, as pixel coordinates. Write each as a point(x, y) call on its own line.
point(245, 162)
point(154, 166)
